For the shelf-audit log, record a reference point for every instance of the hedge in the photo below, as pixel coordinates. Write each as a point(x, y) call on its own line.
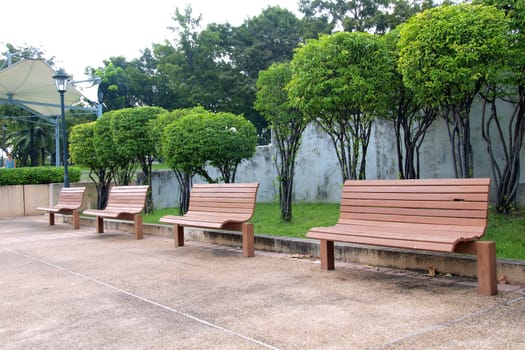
point(37, 175)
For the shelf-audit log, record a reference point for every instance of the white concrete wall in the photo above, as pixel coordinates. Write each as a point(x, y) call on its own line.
point(318, 176)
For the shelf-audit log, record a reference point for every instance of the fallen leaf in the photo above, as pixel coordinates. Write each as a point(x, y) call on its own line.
point(502, 279)
point(431, 271)
point(300, 256)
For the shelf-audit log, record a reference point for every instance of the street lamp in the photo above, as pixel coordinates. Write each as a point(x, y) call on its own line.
point(3, 143)
point(61, 79)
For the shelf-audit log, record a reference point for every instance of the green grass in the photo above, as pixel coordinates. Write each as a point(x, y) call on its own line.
point(507, 232)
point(267, 218)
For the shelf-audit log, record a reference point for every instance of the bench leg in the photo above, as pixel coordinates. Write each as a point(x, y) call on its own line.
point(51, 218)
point(247, 240)
point(76, 219)
point(486, 259)
point(139, 234)
point(178, 235)
point(327, 254)
point(100, 224)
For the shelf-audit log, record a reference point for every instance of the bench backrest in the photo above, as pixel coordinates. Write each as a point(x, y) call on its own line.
point(458, 202)
point(130, 199)
point(71, 197)
point(237, 199)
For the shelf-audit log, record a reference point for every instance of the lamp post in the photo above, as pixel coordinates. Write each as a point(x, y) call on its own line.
point(4, 129)
point(61, 79)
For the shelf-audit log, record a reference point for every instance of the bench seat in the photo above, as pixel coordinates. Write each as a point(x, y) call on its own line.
point(70, 200)
point(124, 203)
point(441, 215)
point(219, 206)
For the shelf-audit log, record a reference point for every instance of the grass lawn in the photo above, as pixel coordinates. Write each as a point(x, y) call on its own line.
point(507, 232)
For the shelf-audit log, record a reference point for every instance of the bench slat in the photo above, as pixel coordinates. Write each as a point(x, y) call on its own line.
point(434, 204)
point(417, 189)
point(391, 243)
point(412, 233)
point(423, 182)
point(479, 214)
point(470, 197)
point(420, 219)
point(402, 225)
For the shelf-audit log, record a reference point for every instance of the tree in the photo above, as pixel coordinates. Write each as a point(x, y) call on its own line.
point(504, 131)
point(17, 53)
point(446, 55)
point(106, 156)
point(260, 41)
point(199, 138)
point(287, 124)
point(133, 140)
point(338, 81)
point(411, 119)
point(232, 139)
point(31, 137)
point(164, 139)
point(372, 16)
point(82, 149)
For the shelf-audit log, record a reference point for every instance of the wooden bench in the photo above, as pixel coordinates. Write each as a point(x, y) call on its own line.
point(442, 215)
point(124, 203)
point(69, 202)
point(219, 206)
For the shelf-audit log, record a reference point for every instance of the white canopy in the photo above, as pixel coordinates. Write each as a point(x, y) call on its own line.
point(29, 83)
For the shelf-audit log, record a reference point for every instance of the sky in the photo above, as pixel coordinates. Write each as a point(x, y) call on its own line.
point(80, 34)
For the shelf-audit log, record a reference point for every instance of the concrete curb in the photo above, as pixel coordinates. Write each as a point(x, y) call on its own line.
point(455, 264)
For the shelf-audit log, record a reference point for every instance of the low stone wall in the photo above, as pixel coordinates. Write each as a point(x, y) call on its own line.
point(21, 200)
point(455, 264)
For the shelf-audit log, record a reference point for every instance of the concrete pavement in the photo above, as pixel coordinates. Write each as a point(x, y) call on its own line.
point(67, 289)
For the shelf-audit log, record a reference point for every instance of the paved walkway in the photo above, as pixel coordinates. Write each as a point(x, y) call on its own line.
point(66, 289)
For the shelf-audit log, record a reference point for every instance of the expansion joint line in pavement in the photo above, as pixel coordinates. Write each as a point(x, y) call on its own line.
point(450, 323)
point(146, 300)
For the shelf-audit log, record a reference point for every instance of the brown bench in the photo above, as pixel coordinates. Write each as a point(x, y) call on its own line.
point(69, 202)
point(124, 203)
point(219, 206)
point(442, 215)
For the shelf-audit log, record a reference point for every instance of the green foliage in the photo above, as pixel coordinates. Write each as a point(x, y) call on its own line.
point(340, 75)
point(215, 67)
point(199, 137)
point(37, 175)
point(105, 150)
point(178, 151)
point(132, 133)
point(445, 52)
point(378, 16)
point(339, 81)
point(504, 131)
point(411, 119)
point(287, 124)
point(81, 146)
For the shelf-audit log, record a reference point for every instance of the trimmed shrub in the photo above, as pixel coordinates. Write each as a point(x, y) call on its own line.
point(37, 175)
